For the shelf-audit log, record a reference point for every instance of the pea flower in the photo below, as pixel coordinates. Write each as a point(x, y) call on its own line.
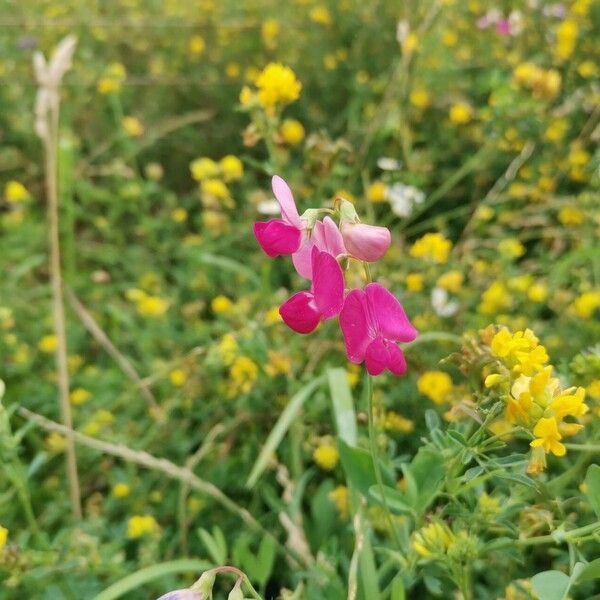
point(305, 310)
point(372, 321)
point(280, 237)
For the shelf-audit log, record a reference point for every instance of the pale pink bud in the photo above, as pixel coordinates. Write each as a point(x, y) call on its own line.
point(366, 242)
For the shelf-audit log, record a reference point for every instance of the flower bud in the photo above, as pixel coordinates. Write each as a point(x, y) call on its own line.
point(366, 242)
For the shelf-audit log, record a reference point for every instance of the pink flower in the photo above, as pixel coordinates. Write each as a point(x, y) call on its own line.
point(372, 321)
point(366, 242)
point(503, 27)
point(305, 310)
point(326, 237)
point(279, 237)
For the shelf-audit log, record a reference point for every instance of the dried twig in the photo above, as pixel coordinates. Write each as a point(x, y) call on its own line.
point(163, 465)
point(100, 336)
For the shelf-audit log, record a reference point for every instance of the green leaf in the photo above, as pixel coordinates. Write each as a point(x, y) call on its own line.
point(589, 572)
point(280, 429)
point(395, 499)
point(397, 591)
point(143, 576)
point(550, 585)
point(227, 264)
point(266, 559)
point(592, 480)
point(343, 405)
point(215, 544)
point(427, 469)
point(358, 466)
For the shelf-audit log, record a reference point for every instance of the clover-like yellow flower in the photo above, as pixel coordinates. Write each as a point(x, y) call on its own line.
point(141, 525)
point(436, 385)
point(326, 456)
point(277, 85)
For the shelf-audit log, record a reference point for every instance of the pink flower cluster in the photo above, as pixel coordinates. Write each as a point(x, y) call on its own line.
point(372, 320)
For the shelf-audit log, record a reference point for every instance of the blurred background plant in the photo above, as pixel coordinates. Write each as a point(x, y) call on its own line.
point(469, 129)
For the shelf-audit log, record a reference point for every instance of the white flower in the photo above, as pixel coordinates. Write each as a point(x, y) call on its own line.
point(402, 198)
point(402, 31)
point(440, 304)
point(386, 163)
point(268, 207)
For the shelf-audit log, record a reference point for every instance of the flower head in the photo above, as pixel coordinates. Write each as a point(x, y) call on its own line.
point(547, 435)
point(372, 321)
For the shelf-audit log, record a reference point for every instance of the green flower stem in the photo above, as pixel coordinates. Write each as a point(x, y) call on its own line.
point(376, 466)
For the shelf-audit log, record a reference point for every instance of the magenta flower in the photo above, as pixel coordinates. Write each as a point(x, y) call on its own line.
point(366, 242)
point(280, 237)
point(372, 321)
point(305, 310)
point(326, 237)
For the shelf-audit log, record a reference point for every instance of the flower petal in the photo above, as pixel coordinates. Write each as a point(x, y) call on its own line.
point(397, 362)
point(284, 196)
point(328, 283)
point(366, 242)
point(377, 357)
point(389, 315)
point(300, 312)
point(302, 257)
point(277, 238)
point(328, 237)
point(355, 325)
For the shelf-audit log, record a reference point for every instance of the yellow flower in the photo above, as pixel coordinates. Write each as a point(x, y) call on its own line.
point(570, 405)
point(414, 282)
point(152, 306)
point(197, 45)
point(451, 281)
point(232, 70)
point(494, 299)
point(276, 85)
point(48, 343)
point(15, 192)
point(3, 536)
point(326, 456)
point(231, 167)
point(449, 38)
point(140, 525)
point(339, 496)
point(114, 76)
point(566, 35)
point(278, 363)
point(587, 69)
point(292, 132)
point(433, 246)
point(269, 32)
point(221, 305)
point(376, 192)
point(548, 437)
point(420, 98)
point(489, 506)
point(461, 113)
point(132, 126)
point(272, 316)
point(538, 292)
point(120, 490)
point(511, 248)
point(177, 377)
point(244, 373)
point(203, 168)
point(570, 215)
point(433, 539)
point(320, 14)
point(520, 351)
point(586, 304)
point(395, 422)
point(55, 442)
point(436, 385)
point(246, 96)
point(179, 215)
point(216, 188)
point(79, 396)
point(228, 348)
point(556, 130)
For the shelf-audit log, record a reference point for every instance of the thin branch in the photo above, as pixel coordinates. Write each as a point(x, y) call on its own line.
point(163, 465)
point(100, 336)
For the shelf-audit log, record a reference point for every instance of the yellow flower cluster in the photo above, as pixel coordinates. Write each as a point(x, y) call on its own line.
point(292, 132)
point(277, 85)
point(113, 78)
point(534, 399)
point(229, 168)
point(147, 305)
point(433, 540)
point(433, 246)
point(566, 36)
point(339, 496)
point(397, 423)
point(244, 373)
point(15, 192)
point(140, 525)
point(544, 83)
